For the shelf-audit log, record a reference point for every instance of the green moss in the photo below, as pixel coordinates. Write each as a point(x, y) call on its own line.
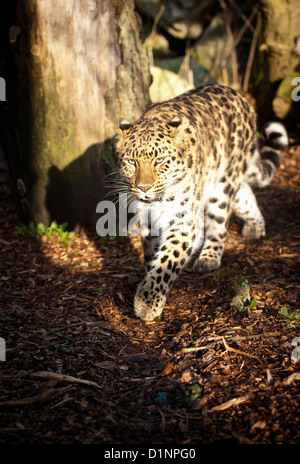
point(192, 393)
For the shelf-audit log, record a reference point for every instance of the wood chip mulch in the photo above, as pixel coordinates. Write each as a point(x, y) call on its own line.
point(80, 368)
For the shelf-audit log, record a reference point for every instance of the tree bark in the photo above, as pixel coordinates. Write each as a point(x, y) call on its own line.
point(72, 70)
point(281, 19)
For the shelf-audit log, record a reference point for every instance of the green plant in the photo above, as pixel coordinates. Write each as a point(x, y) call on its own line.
point(241, 300)
point(289, 313)
point(27, 231)
point(218, 275)
point(39, 230)
point(58, 347)
point(251, 305)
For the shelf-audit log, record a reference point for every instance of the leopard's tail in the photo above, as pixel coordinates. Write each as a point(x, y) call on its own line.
point(266, 157)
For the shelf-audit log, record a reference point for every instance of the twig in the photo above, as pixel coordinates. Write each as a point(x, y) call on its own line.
point(233, 51)
point(153, 32)
point(235, 339)
point(229, 404)
point(163, 422)
point(45, 394)
point(252, 53)
point(198, 348)
point(156, 20)
point(185, 70)
point(233, 350)
point(5, 242)
point(63, 378)
point(246, 20)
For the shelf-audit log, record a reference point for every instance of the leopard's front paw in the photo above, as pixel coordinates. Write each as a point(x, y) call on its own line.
point(148, 304)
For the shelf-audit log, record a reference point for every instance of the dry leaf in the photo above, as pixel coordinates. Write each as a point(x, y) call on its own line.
point(186, 377)
point(168, 369)
point(258, 425)
point(120, 296)
point(109, 365)
point(291, 378)
point(197, 404)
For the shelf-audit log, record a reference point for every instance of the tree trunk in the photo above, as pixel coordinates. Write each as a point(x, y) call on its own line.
point(72, 70)
point(281, 19)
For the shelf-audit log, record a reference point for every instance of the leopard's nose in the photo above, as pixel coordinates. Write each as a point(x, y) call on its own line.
point(144, 188)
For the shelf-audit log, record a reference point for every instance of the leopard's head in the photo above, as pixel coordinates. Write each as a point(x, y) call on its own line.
point(154, 154)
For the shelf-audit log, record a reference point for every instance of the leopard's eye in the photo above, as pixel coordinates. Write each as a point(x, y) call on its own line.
point(131, 162)
point(160, 160)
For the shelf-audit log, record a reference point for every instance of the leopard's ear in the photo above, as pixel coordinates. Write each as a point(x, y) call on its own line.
point(124, 124)
point(176, 121)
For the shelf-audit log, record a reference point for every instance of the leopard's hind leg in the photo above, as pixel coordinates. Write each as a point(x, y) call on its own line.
point(245, 207)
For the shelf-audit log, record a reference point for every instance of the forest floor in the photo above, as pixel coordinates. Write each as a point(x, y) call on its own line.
point(80, 368)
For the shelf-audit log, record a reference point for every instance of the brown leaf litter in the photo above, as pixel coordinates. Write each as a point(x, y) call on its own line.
point(81, 369)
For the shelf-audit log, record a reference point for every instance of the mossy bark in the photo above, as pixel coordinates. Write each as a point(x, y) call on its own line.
point(73, 69)
point(281, 19)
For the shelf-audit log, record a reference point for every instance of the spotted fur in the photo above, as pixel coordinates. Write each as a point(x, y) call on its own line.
point(191, 162)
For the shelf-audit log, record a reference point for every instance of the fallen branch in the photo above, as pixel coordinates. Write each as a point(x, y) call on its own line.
point(233, 350)
point(45, 394)
point(235, 339)
point(63, 378)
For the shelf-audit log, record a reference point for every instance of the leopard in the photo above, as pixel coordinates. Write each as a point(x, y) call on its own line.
point(191, 162)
